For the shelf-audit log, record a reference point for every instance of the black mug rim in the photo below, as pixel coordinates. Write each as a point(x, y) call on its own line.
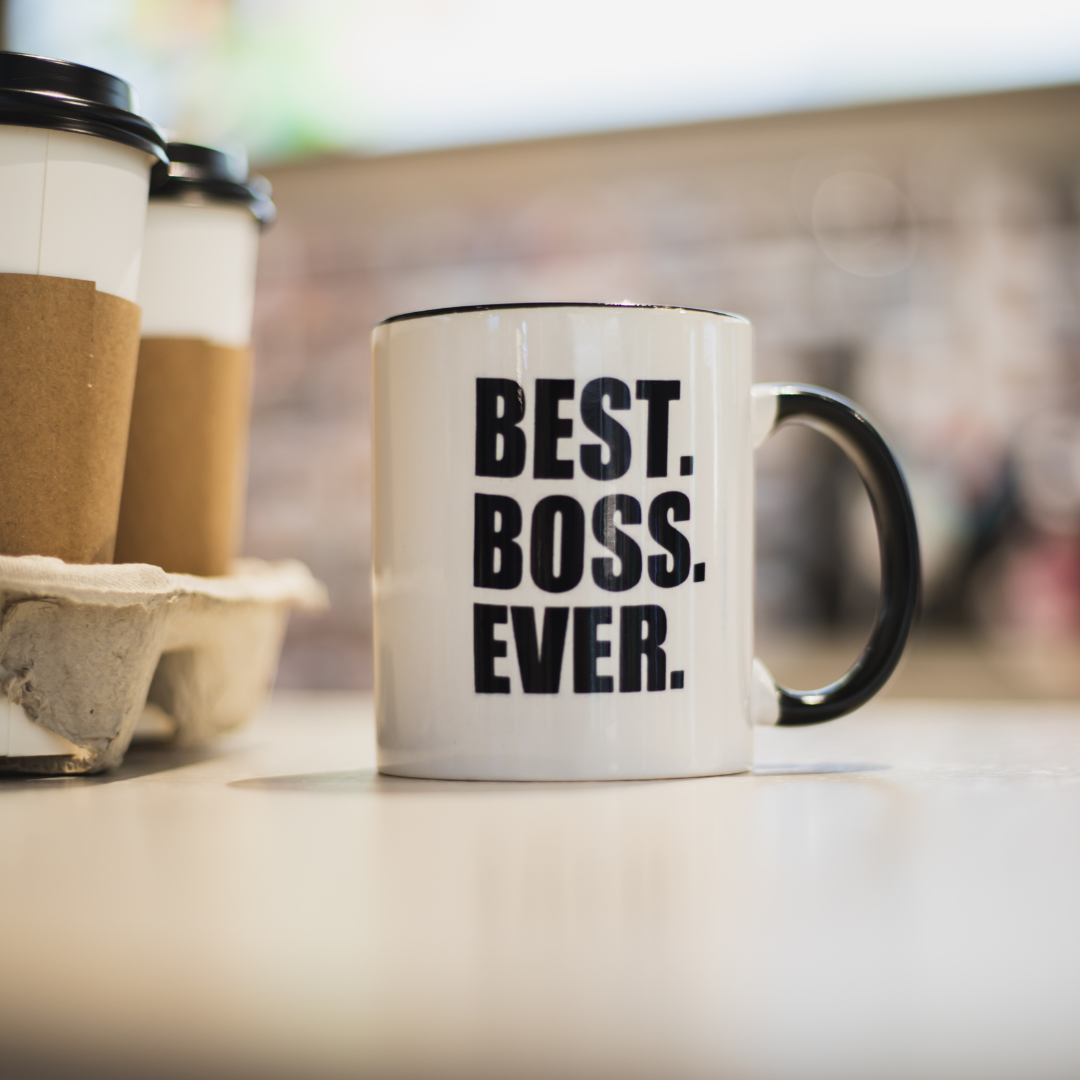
point(431, 312)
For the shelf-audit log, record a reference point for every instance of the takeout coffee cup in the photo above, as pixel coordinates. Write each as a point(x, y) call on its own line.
point(75, 162)
point(186, 460)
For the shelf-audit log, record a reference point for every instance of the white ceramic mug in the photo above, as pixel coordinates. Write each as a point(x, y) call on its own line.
point(563, 543)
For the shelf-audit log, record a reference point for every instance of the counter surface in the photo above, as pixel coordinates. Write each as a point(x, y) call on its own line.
point(893, 894)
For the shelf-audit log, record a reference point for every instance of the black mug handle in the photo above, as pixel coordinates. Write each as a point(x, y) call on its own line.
point(776, 404)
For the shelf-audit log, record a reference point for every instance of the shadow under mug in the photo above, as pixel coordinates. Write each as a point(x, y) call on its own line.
point(563, 543)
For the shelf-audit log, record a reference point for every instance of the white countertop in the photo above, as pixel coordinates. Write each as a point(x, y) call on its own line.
point(895, 894)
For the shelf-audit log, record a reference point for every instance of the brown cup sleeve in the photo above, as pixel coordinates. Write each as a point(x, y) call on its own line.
point(187, 457)
point(67, 361)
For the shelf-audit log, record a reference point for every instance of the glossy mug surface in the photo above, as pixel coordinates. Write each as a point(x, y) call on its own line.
point(563, 543)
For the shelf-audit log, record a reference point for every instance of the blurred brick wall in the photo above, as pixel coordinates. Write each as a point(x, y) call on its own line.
point(922, 257)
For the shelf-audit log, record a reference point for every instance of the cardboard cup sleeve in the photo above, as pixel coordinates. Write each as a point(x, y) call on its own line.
point(187, 456)
point(68, 355)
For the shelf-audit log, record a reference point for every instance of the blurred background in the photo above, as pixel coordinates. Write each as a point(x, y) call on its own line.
point(890, 193)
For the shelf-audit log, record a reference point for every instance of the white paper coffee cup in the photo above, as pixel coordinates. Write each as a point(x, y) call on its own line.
point(201, 247)
point(75, 165)
point(198, 272)
point(186, 468)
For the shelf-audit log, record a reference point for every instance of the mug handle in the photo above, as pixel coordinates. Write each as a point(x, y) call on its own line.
point(776, 404)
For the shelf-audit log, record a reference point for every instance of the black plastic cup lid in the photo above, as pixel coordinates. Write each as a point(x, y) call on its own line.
point(200, 173)
point(38, 92)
